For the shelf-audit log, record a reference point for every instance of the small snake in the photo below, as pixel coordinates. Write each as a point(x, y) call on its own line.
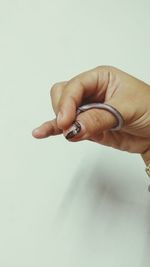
point(112, 110)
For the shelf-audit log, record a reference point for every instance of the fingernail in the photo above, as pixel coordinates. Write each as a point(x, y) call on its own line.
point(74, 130)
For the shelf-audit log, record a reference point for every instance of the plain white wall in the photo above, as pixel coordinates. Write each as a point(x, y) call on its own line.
point(68, 204)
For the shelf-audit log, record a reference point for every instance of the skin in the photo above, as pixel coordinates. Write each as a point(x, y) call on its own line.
point(106, 84)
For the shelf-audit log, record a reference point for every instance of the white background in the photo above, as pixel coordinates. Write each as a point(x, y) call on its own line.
point(66, 204)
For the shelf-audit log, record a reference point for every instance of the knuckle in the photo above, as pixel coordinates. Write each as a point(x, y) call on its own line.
point(97, 118)
point(57, 86)
point(124, 147)
point(95, 121)
point(92, 121)
point(105, 67)
point(53, 88)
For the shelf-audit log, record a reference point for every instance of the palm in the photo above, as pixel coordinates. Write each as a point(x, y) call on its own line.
point(122, 141)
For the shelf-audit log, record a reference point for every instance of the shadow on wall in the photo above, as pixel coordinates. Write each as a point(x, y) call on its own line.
point(95, 184)
point(104, 210)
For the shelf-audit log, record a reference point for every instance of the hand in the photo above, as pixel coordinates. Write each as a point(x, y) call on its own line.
point(106, 84)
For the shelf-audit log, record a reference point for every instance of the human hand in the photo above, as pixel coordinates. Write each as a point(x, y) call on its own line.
point(105, 84)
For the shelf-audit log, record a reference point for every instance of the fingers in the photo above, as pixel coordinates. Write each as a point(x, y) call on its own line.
point(87, 124)
point(90, 124)
point(68, 96)
point(50, 127)
point(46, 129)
point(55, 93)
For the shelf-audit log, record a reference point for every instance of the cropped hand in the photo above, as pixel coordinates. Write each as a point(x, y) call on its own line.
point(105, 84)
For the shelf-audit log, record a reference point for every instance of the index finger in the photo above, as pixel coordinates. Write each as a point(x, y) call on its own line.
point(78, 89)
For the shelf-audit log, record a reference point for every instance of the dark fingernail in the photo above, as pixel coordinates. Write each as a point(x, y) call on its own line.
point(74, 130)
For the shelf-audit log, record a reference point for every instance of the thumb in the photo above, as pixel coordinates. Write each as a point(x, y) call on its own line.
point(91, 123)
